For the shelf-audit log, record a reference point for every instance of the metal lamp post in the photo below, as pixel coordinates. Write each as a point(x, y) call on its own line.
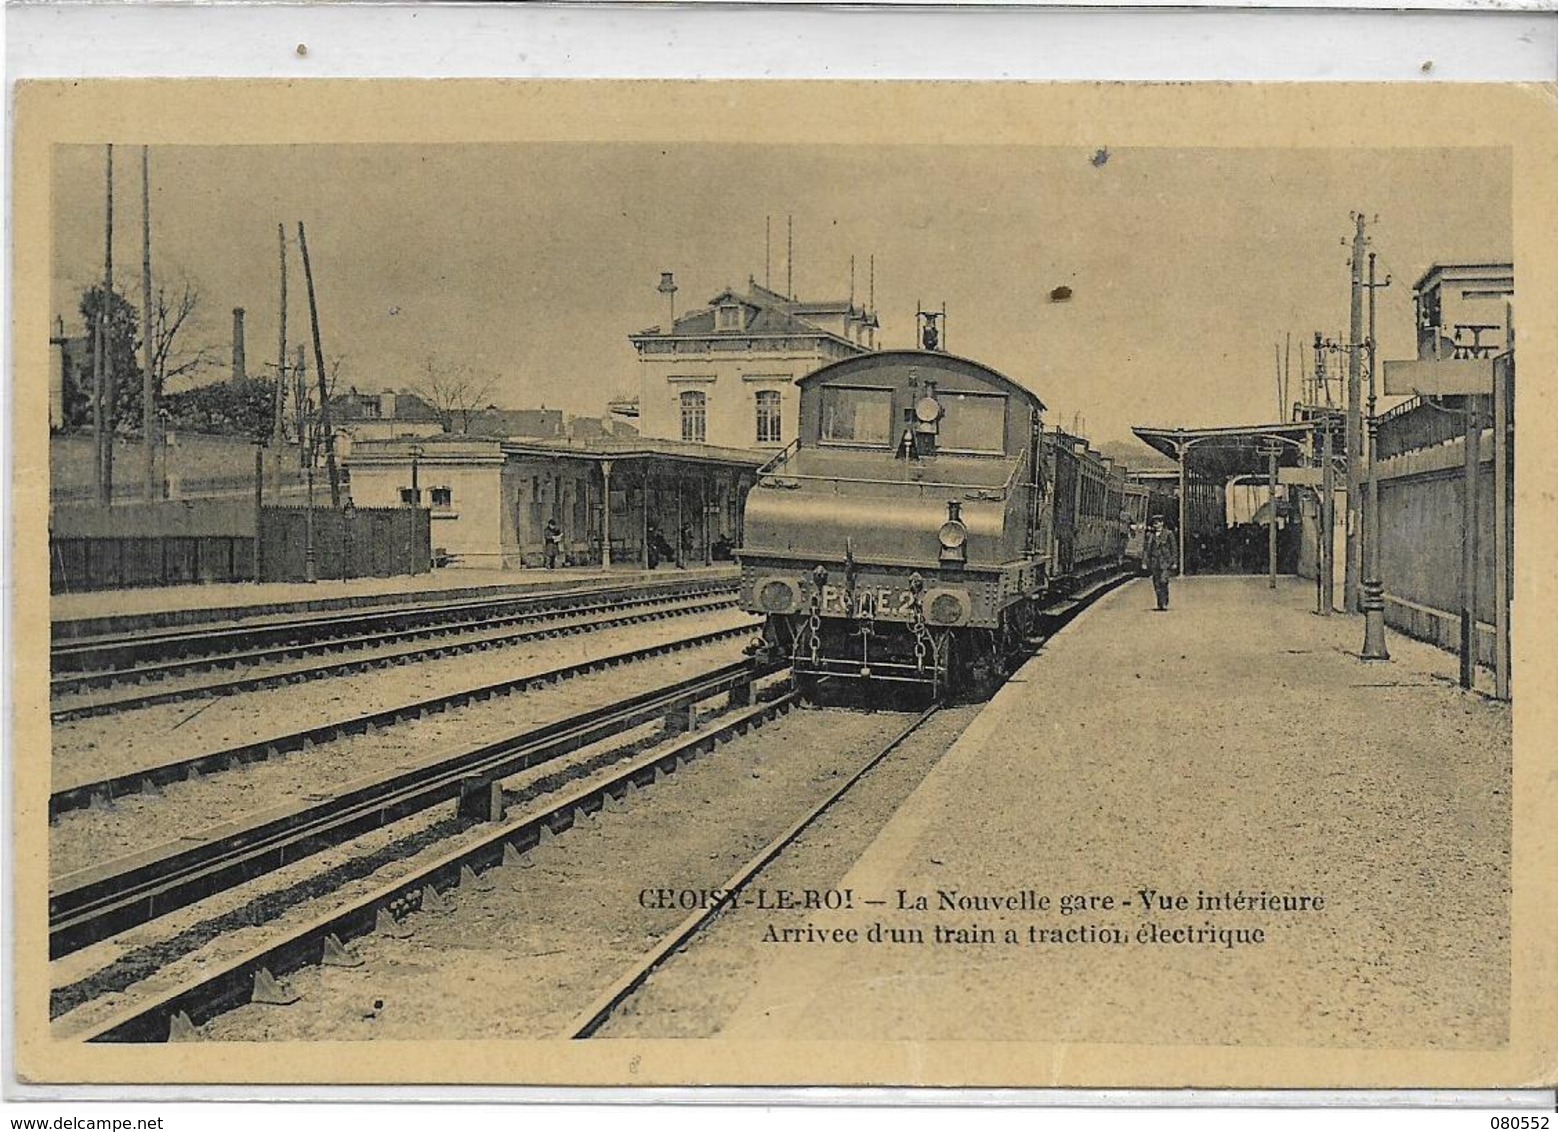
point(1272, 451)
point(259, 507)
point(1373, 589)
point(306, 450)
point(416, 503)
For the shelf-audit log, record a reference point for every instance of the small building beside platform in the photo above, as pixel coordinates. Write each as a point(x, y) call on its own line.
point(490, 499)
point(1221, 472)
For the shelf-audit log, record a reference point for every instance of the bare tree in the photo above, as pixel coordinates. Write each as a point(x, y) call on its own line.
point(169, 360)
point(312, 418)
point(453, 392)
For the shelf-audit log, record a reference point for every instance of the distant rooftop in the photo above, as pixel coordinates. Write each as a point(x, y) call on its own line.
point(759, 311)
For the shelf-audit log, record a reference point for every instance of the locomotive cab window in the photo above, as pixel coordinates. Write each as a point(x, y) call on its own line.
point(972, 422)
point(857, 416)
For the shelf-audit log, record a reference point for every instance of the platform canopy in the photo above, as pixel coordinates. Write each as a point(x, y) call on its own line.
point(1219, 454)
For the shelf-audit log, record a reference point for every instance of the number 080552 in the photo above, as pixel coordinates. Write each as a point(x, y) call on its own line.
point(1503, 1122)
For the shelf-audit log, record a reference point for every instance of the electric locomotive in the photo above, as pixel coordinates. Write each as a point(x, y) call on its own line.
point(919, 521)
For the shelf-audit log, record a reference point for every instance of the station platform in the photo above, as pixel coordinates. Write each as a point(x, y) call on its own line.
point(1211, 826)
point(116, 611)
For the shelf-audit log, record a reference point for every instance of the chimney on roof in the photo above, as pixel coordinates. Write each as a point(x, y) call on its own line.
point(789, 259)
point(238, 366)
point(668, 289)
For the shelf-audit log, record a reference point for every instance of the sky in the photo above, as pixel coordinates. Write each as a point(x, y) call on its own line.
point(532, 263)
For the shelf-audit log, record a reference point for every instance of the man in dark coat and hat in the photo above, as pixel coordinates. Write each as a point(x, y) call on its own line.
point(1161, 557)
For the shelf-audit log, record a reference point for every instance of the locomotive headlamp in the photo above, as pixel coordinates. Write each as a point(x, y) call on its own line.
point(953, 535)
point(778, 595)
point(947, 607)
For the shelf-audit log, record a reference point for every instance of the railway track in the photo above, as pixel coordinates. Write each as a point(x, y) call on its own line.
point(367, 652)
point(94, 903)
point(254, 975)
point(78, 664)
point(596, 1014)
point(87, 791)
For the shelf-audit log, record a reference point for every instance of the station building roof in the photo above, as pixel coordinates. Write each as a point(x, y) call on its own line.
point(467, 449)
point(1236, 450)
point(638, 448)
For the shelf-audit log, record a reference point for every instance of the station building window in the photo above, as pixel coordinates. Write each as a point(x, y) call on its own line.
point(695, 417)
point(442, 497)
point(728, 317)
point(768, 417)
point(410, 497)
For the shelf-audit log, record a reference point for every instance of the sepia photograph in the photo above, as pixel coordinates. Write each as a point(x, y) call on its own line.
point(826, 584)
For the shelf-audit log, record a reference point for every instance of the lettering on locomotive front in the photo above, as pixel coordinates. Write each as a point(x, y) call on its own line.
point(888, 602)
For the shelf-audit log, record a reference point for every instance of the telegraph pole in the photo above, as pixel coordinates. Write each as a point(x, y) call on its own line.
point(103, 401)
point(1353, 597)
point(319, 364)
point(306, 455)
point(148, 388)
point(1373, 589)
point(1327, 518)
point(278, 432)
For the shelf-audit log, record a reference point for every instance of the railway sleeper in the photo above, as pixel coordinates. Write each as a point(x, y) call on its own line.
point(472, 881)
point(270, 991)
point(434, 903)
point(181, 1029)
point(481, 799)
point(680, 719)
point(337, 954)
point(386, 925)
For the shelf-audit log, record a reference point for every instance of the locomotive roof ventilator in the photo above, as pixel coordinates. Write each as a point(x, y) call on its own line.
point(932, 328)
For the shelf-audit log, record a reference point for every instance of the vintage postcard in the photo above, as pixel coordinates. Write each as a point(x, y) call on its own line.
point(748, 583)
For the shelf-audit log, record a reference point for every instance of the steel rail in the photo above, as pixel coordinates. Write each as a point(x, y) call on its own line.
point(94, 903)
point(589, 618)
point(67, 682)
point(229, 984)
point(84, 656)
point(141, 779)
point(596, 1014)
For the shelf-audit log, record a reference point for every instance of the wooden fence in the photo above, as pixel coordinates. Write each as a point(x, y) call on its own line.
point(178, 542)
point(366, 542)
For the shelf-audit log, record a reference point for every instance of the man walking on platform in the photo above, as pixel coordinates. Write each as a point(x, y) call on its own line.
point(554, 543)
point(1160, 556)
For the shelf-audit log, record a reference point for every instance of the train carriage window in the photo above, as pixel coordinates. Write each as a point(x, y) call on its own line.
point(972, 422)
point(853, 415)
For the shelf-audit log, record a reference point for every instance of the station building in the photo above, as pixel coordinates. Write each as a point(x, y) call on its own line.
point(725, 375)
point(490, 499)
